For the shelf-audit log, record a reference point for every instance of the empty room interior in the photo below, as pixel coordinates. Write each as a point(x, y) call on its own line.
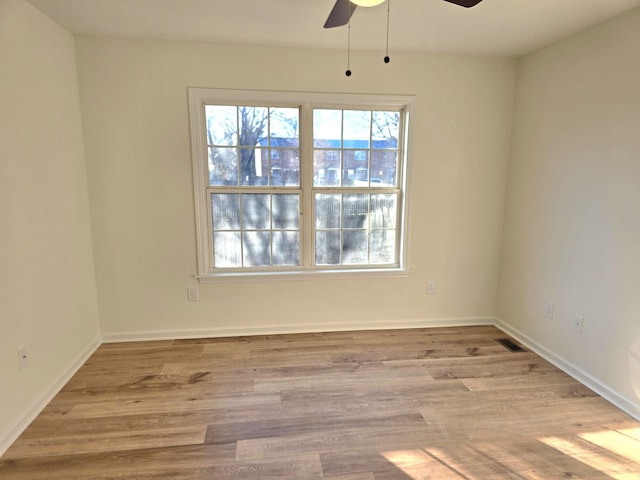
point(148, 329)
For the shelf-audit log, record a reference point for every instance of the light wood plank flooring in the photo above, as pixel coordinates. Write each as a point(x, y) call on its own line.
point(442, 403)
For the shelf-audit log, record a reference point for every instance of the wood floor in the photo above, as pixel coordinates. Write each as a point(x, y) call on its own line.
point(446, 403)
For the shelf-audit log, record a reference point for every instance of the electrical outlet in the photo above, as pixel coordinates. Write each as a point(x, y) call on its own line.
point(431, 287)
point(578, 324)
point(193, 294)
point(23, 357)
point(549, 310)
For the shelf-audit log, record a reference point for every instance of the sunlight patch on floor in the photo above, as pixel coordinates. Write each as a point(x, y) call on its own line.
point(420, 465)
point(616, 442)
point(631, 432)
point(599, 457)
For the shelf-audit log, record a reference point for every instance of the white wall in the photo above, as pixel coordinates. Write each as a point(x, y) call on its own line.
point(572, 227)
point(47, 284)
point(134, 104)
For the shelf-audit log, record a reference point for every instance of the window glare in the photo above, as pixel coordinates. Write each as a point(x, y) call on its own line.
point(327, 128)
point(357, 128)
point(221, 125)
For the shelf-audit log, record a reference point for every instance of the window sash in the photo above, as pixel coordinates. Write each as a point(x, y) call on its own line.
point(306, 102)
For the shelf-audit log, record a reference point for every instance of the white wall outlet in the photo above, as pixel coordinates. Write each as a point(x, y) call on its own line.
point(549, 310)
point(23, 357)
point(431, 287)
point(192, 294)
point(578, 324)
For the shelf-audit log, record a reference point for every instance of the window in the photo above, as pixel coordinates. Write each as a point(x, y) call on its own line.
point(298, 183)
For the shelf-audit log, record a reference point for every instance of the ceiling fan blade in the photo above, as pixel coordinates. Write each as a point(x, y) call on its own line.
point(464, 3)
point(340, 14)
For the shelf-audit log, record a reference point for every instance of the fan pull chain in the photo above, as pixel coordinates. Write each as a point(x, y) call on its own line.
point(386, 57)
point(348, 72)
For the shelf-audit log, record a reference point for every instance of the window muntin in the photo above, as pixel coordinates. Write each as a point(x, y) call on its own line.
point(342, 185)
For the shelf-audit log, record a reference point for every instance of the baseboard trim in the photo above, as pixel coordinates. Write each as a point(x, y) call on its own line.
point(569, 368)
point(298, 328)
point(12, 434)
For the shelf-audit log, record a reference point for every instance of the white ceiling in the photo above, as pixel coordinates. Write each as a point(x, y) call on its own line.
point(494, 27)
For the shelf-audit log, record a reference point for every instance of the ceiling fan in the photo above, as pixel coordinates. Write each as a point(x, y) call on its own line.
point(343, 9)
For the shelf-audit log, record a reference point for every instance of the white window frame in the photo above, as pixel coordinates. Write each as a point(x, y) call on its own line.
point(306, 101)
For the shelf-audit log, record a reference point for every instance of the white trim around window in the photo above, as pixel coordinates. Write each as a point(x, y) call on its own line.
point(309, 188)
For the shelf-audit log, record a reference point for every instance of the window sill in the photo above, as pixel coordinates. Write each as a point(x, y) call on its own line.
point(237, 277)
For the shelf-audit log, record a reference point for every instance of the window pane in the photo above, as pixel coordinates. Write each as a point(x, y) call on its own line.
point(355, 210)
point(383, 246)
point(283, 127)
point(256, 251)
point(286, 248)
point(356, 168)
point(327, 247)
point(292, 176)
point(286, 212)
point(285, 167)
point(252, 125)
point(254, 166)
point(222, 125)
point(386, 126)
point(383, 168)
point(357, 129)
point(277, 174)
point(223, 166)
point(327, 128)
point(326, 168)
point(225, 210)
point(355, 247)
point(227, 249)
point(256, 213)
point(384, 210)
point(327, 207)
